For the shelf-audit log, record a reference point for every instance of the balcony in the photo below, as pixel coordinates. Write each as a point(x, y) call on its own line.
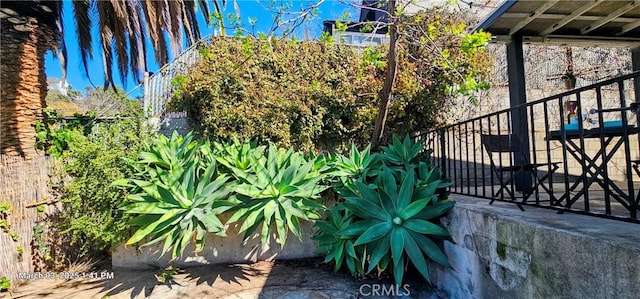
point(588, 165)
point(360, 39)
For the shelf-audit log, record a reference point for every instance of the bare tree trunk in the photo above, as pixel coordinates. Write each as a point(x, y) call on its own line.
point(392, 66)
point(23, 87)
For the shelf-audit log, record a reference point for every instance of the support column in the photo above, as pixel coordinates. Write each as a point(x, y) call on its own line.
point(519, 124)
point(635, 64)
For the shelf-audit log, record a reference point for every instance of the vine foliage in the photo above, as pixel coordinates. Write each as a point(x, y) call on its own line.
point(321, 95)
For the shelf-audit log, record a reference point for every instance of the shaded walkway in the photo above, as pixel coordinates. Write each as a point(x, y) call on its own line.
point(283, 279)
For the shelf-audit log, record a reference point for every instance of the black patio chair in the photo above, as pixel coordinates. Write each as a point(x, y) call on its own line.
point(502, 144)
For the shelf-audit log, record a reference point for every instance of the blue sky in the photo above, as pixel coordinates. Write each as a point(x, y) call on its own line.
point(330, 9)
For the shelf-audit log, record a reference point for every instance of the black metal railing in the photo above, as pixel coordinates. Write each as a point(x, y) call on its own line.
point(538, 154)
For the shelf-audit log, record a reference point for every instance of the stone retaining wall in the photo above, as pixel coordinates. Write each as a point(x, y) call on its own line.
point(502, 252)
point(219, 250)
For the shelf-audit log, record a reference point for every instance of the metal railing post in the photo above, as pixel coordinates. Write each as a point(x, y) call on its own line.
point(443, 153)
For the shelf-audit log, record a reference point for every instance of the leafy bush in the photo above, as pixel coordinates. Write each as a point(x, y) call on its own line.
point(324, 96)
point(383, 217)
point(89, 213)
point(53, 135)
point(5, 284)
point(439, 61)
point(299, 94)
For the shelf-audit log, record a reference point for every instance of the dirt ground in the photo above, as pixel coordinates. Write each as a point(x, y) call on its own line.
point(282, 279)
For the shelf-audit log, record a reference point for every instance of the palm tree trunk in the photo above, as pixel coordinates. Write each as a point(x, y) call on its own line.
point(23, 86)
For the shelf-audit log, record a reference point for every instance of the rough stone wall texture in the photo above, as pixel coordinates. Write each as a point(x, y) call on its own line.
point(544, 66)
point(502, 252)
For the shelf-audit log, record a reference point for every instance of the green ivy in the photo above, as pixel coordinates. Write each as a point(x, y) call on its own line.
point(39, 244)
point(5, 211)
point(53, 133)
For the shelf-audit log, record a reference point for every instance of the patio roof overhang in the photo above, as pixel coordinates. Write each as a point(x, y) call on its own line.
point(557, 22)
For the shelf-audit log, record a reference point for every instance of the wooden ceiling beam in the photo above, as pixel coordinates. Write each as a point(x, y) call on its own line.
point(574, 40)
point(628, 27)
point(557, 16)
point(577, 13)
point(616, 13)
point(539, 11)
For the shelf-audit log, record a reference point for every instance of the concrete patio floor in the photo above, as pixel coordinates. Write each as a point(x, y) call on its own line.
point(281, 279)
point(596, 203)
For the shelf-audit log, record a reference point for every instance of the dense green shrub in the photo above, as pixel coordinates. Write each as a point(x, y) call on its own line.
point(297, 94)
point(324, 96)
point(383, 219)
point(90, 214)
point(53, 135)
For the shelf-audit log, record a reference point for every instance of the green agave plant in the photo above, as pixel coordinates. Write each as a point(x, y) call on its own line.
point(279, 189)
point(357, 164)
point(171, 154)
point(322, 164)
point(339, 250)
point(179, 208)
point(237, 154)
point(177, 194)
point(392, 221)
point(403, 155)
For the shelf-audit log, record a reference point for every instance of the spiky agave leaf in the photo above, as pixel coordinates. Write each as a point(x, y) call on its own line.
point(277, 190)
point(339, 248)
point(403, 154)
point(178, 204)
point(357, 164)
point(391, 222)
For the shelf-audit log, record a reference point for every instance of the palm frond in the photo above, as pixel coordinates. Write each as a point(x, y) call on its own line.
point(61, 47)
point(120, 29)
point(202, 4)
point(106, 39)
point(137, 54)
point(81, 10)
point(189, 20)
point(123, 28)
point(174, 12)
point(160, 45)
